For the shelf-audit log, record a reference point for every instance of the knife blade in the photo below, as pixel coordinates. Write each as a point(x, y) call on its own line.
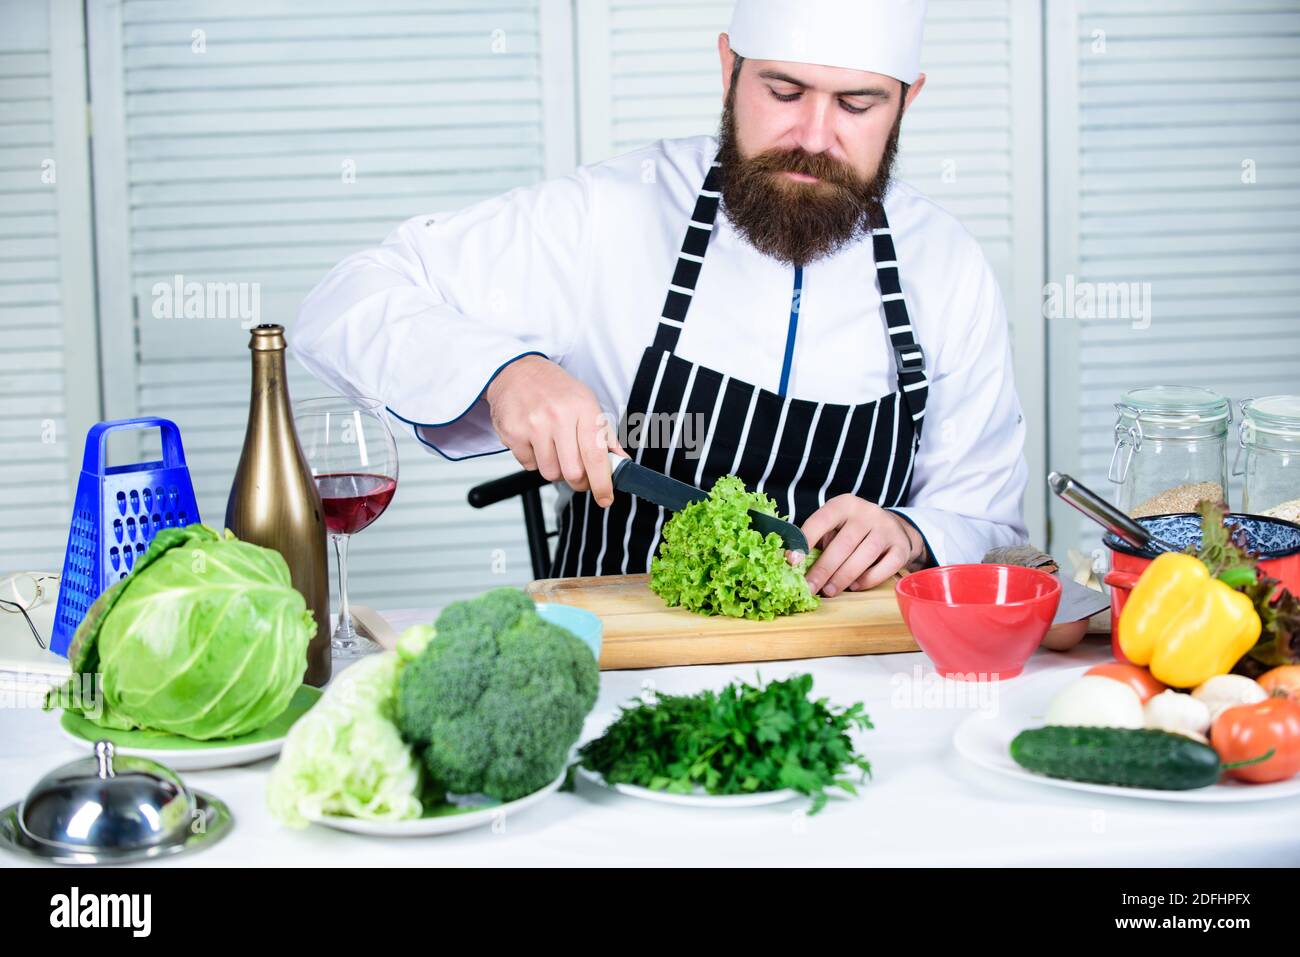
point(646, 483)
point(1078, 601)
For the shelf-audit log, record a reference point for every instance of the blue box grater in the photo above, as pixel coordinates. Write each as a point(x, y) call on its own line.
point(116, 514)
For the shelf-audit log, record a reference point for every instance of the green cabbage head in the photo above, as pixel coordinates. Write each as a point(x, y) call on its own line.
point(206, 639)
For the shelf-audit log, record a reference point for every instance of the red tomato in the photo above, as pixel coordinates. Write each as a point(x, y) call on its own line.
point(1137, 678)
point(1250, 730)
point(1283, 680)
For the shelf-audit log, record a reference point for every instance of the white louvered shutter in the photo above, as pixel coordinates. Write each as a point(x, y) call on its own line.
point(235, 146)
point(1156, 107)
point(972, 141)
point(49, 388)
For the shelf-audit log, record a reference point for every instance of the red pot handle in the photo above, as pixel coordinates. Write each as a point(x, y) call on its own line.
point(1121, 579)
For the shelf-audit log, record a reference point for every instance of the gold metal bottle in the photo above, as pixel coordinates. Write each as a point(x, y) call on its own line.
point(274, 501)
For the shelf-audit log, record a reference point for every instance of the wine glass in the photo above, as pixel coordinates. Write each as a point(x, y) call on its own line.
point(353, 458)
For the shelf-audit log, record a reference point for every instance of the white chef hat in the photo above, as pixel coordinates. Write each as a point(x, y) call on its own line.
point(878, 36)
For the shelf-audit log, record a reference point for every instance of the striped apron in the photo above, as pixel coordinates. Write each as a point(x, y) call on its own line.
point(799, 452)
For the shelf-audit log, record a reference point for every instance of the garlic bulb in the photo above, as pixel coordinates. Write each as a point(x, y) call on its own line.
point(1177, 712)
point(1227, 691)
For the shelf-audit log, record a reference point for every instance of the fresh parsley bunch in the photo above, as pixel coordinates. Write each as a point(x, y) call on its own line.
point(740, 740)
point(712, 562)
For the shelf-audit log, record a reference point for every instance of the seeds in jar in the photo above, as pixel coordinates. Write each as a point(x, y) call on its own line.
point(1181, 498)
point(1289, 511)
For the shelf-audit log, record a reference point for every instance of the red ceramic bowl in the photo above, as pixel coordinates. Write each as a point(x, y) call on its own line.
point(978, 622)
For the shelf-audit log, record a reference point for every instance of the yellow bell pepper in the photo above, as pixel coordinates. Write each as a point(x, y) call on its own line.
point(1184, 625)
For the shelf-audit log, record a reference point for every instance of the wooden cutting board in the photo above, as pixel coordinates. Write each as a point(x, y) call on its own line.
point(641, 632)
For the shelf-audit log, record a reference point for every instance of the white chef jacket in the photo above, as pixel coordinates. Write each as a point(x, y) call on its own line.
point(576, 269)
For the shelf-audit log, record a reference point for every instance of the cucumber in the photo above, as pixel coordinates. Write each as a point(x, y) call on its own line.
point(1123, 756)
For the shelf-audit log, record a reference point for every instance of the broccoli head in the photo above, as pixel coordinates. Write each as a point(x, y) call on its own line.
point(496, 700)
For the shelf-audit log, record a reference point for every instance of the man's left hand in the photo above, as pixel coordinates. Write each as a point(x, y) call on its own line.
point(862, 545)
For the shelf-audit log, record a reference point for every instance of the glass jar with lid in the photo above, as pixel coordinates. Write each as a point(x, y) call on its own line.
point(1171, 449)
point(1269, 457)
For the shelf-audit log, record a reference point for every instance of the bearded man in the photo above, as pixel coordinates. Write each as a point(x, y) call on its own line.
point(773, 299)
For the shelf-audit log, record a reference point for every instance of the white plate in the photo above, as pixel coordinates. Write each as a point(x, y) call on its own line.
point(485, 812)
point(199, 759)
point(182, 754)
point(699, 799)
point(985, 739)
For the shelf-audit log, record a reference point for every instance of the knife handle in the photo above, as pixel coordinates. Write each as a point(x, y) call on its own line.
point(615, 460)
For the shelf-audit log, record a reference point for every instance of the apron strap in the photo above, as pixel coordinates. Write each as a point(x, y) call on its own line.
point(689, 260)
point(909, 360)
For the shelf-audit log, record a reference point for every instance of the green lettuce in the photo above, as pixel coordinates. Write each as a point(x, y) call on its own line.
point(207, 638)
point(346, 756)
point(711, 561)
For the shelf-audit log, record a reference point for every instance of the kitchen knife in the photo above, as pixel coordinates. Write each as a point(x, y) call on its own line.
point(1078, 601)
point(646, 483)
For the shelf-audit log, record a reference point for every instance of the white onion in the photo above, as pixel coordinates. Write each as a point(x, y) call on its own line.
point(1096, 702)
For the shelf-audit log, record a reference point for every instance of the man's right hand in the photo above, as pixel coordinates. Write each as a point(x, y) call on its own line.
point(553, 424)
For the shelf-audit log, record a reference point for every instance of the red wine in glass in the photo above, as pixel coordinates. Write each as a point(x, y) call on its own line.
point(350, 450)
point(352, 500)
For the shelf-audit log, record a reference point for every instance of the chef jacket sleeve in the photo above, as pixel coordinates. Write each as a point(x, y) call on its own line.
point(426, 321)
point(969, 479)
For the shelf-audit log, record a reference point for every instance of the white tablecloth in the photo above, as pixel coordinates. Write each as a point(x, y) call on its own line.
point(925, 805)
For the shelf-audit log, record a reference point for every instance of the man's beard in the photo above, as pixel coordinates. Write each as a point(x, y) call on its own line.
point(797, 222)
